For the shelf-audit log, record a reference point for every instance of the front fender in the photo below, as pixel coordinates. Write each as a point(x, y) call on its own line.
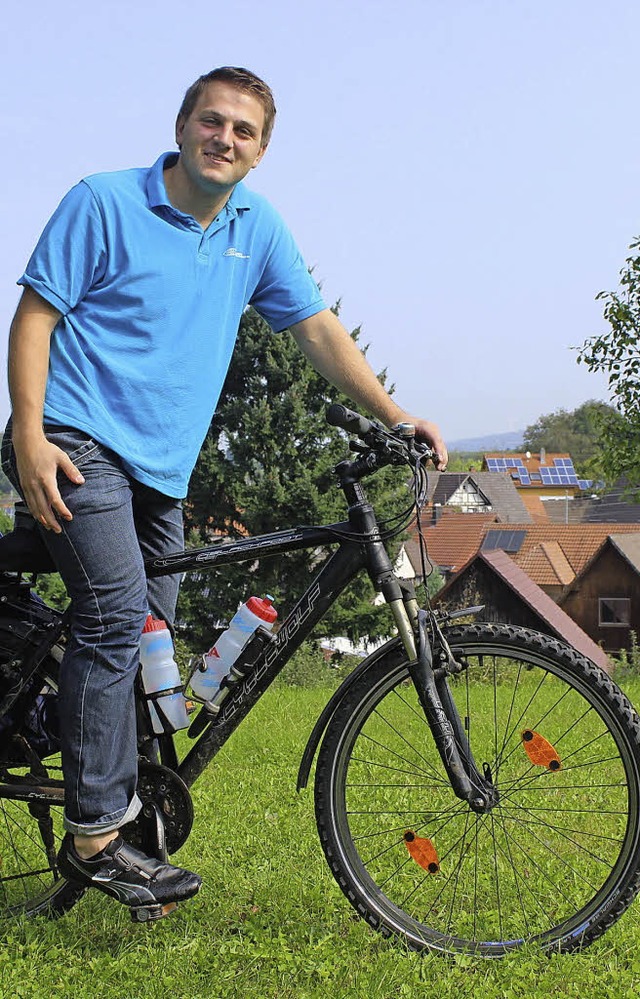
point(332, 706)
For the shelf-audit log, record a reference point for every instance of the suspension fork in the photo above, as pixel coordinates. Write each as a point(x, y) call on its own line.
point(434, 694)
point(444, 720)
point(431, 685)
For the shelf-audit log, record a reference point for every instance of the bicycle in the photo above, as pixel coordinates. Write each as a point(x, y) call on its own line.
point(477, 786)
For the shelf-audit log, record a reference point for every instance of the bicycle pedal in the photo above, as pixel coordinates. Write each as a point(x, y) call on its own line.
point(151, 913)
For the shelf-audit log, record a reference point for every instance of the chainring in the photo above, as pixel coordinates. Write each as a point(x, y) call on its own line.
point(160, 786)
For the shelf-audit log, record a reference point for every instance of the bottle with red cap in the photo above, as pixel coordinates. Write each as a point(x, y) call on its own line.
point(161, 678)
point(219, 662)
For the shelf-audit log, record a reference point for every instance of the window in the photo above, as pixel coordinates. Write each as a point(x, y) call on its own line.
point(614, 612)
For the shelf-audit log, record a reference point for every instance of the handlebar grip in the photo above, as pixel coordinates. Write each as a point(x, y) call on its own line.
point(340, 416)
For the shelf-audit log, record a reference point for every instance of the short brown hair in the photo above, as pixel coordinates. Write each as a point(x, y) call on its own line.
point(244, 80)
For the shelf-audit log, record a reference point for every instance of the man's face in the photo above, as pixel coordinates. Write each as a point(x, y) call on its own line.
point(221, 140)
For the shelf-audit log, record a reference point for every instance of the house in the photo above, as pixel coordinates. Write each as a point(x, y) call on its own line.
point(553, 554)
point(552, 475)
point(591, 571)
point(510, 596)
point(475, 492)
point(547, 483)
point(459, 505)
point(604, 599)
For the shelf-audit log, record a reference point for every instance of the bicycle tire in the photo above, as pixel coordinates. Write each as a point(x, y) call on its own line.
point(31, 832)
point(415, 861)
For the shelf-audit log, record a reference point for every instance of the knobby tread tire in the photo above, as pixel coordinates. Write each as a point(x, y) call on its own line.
point(29, 886)
point(522, 656)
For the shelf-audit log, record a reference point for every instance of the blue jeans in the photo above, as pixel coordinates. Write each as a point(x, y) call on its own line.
point(117, 522)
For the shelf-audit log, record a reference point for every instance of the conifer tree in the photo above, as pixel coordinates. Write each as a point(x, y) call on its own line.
point(267, 464)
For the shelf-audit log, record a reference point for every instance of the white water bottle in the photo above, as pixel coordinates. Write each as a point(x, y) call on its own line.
point(256, 613)
point(161, 678)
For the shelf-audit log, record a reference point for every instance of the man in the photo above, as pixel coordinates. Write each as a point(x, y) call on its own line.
point(118, 352)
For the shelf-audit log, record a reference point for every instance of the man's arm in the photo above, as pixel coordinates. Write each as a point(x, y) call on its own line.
point(37, 460)
point(328, 347)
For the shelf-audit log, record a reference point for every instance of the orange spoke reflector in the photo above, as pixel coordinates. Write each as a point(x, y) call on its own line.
point(423, 852)
point(540, 751)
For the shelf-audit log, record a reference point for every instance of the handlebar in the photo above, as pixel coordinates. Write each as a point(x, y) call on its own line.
point(340, 416)
point(398, 443)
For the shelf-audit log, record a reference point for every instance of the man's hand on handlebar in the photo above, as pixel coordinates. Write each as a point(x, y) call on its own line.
point(425, 432)
point(429, 433)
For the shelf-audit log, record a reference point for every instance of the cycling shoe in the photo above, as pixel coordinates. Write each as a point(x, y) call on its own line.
point(128, 875)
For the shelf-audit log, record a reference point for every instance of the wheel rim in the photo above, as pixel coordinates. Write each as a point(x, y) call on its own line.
point(539, 867)
point(30, 836)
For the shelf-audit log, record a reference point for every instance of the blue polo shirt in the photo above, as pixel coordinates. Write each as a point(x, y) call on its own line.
point(151, 305)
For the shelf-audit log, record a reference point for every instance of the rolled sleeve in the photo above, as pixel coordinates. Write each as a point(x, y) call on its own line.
point(286, 293)
point(70, 255)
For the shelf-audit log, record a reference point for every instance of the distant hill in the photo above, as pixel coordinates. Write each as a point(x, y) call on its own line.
point(490, 442)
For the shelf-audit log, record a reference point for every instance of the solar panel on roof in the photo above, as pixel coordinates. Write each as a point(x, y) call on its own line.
point(507, 541)
point(565, 476)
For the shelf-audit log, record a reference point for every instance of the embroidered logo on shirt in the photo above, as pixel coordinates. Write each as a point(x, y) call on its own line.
point(232, 252)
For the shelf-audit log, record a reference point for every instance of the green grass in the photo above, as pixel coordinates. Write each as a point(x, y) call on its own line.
point(269, 920)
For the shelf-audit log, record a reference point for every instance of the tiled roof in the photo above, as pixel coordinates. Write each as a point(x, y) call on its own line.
point(547, 564)
point(544, 471)
point(454, 539)
point(552, 553)
point(537, 509)
point(615, 507)
point(578, 542)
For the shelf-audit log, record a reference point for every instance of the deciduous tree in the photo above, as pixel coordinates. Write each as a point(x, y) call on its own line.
point(575, 432)
point(616, 353)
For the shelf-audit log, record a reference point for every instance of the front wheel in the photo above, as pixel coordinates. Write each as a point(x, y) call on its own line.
point(555, 862)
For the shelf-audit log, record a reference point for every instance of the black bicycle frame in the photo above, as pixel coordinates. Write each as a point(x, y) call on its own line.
point(359, 547)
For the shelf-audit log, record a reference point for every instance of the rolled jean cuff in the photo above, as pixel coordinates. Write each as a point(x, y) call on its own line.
point(108, 824)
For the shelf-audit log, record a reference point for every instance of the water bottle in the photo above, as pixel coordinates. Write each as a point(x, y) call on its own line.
point(218, 662)
point(161, 678)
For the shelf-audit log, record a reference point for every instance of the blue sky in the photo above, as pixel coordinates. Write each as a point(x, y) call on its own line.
point(462, 174)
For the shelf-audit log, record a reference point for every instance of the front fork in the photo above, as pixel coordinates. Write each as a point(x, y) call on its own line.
point(437, 703)
point(431, 684)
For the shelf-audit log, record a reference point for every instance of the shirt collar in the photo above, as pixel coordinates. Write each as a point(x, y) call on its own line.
point(239, 199)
